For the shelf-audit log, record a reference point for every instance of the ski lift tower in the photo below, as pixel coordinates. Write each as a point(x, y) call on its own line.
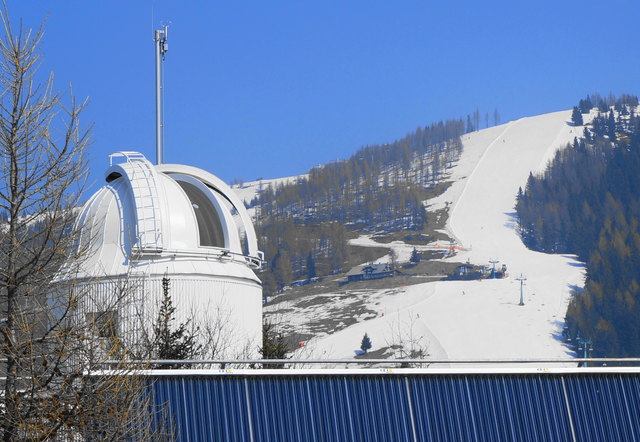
point(585, 345)
point(493, 269)
point(160, 37)
point(522, 279)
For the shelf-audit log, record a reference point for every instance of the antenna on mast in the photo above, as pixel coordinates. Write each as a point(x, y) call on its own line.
point(160, 37)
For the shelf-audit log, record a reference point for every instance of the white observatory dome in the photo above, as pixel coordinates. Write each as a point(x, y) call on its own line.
point(183, 222)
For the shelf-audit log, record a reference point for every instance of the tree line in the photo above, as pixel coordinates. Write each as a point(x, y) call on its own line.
point(302, 226)
point(587, 202)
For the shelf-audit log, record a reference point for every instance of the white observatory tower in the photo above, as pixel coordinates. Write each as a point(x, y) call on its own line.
point(177, 221)
point(183, 222)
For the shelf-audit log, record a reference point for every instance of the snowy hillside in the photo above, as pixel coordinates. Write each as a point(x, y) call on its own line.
point(479, 318)
point(249, 190)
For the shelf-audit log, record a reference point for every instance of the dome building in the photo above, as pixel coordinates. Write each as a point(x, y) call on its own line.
point(180, 222)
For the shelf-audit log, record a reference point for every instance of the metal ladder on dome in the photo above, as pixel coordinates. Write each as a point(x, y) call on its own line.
point(143, 185)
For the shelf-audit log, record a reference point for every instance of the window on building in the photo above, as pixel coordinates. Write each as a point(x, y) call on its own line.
point(209, 224)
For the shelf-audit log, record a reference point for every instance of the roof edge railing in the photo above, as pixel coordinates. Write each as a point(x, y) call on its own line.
point(222, 363)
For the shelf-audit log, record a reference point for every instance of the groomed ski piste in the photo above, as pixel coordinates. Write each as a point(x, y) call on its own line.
point(479, 319)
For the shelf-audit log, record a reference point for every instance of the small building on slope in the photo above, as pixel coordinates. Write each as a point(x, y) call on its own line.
point(366, 272)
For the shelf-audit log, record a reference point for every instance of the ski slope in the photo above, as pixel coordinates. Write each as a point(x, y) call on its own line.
point(250, 190)
point(481, 319)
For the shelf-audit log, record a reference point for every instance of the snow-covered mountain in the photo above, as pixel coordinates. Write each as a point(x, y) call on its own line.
point(250, 190)
point(478, 319)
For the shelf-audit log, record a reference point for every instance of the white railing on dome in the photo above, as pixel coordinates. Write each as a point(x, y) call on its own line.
point(129, 157)
point(142, 177)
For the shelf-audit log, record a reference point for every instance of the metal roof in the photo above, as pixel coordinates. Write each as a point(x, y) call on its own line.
point(374, 268)
point(570, 404)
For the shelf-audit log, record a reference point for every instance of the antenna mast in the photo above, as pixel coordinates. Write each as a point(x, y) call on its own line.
point(160, 37)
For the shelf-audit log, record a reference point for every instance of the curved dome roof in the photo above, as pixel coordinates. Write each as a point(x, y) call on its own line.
point(181, 218)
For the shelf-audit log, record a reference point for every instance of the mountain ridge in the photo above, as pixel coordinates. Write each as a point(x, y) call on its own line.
point(465, 319)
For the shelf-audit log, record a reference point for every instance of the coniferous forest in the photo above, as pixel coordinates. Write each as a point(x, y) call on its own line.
point(587, 203)
point(302, 226)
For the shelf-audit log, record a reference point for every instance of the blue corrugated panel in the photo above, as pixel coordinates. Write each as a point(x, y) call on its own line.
point(300, 408)
point(279, 409)
point(518, 407)
point(605, 407)
point(490, 407)
point(204, 408)
point(424, 407)
point(379, 408)
point(442, 409)
point(327, 396)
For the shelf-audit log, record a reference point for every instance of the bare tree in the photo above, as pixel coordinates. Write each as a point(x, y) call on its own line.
point(476, 119)
point(405, 340)
point(217, 333)
point(393, 259)
point(47, 344)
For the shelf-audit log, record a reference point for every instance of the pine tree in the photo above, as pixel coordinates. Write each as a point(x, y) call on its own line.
point(274, 345)
point(365, 345)
point(585, 105)
point(169, 343)
point(282, 268)
point(576, 117)
point(611, 126)
point(311, 266)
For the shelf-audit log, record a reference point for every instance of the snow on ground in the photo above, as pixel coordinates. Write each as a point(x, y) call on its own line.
point(482, 319)
point(402, 250)
point(248, 191)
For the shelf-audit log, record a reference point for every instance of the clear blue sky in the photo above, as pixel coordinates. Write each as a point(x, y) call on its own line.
point(272, 88)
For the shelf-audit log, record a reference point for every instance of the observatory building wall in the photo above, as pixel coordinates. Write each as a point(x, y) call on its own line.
point(176, 222)
point(227, 310)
